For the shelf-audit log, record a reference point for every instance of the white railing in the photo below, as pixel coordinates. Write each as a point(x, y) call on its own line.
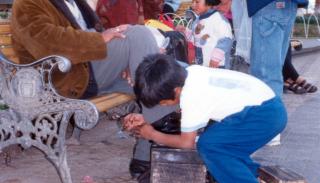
point(306, 19)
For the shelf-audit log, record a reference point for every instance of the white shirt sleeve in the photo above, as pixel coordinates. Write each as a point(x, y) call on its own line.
point(194, 112)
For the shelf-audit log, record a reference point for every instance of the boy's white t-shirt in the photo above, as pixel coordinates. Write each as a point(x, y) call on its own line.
point(217, 93)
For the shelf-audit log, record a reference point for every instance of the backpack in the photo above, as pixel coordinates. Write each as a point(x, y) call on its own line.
point(178, 46)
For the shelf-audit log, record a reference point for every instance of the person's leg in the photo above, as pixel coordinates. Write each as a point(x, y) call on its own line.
point(226, 147)
point(271, 29)
point(290, 76)
point(123, 53)
point(104, 73)
point(138, 49)
point(289, 72)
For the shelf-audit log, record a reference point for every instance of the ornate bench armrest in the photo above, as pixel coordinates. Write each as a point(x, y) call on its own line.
point(28, 90)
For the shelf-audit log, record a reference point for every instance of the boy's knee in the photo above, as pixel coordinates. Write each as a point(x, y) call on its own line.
point(202, 145)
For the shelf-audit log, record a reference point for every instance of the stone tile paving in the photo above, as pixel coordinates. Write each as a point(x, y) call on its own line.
point(105, 157)
point(300, 144)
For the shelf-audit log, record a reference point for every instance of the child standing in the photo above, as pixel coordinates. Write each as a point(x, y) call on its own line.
point(247, 112)
point(211, 34)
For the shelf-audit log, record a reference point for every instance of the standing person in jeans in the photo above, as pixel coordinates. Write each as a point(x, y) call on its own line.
point(272, 22)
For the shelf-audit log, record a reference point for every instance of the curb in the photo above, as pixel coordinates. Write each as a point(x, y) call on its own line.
point(306, 50)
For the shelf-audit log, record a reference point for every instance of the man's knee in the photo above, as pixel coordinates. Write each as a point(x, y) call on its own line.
point(139, 31)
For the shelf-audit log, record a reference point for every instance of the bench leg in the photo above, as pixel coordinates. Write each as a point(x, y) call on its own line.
point(62, 167)
point(46, 133)
point(58, 155)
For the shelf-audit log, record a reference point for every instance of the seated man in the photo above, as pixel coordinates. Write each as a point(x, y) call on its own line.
point(71, 29)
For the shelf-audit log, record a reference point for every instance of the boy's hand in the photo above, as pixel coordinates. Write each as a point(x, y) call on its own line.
point(144, 131)
point(127, 76)
point(133, 121)
point(214, 64)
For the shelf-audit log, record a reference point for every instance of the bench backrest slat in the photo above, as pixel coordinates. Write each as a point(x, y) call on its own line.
point(6, 42)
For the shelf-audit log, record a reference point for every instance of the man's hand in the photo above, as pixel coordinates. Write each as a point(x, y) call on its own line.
point(116, 32)
point(214, 64)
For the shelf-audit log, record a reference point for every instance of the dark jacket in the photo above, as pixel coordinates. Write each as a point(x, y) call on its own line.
point(256, 5)
point(47, 27)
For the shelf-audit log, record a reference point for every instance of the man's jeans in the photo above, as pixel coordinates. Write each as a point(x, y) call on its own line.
point(271, 29)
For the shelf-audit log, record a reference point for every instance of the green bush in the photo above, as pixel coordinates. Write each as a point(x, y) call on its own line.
point(313, 21)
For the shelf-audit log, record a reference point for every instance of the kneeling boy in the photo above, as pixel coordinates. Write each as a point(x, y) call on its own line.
point(247, 112)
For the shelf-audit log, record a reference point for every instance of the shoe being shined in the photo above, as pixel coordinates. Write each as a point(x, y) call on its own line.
point(138, 167)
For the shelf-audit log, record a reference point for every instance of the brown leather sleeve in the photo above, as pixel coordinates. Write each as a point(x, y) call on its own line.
point(42, 30)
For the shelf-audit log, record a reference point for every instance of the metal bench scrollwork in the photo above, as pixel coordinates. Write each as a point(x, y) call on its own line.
point(38, 116)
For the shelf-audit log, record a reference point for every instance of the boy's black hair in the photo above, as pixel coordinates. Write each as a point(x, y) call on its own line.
point(213, 2)
point(156, 78)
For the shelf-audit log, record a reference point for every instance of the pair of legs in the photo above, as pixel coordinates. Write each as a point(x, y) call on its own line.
point(292, 80)
point(271, 29)
point(106, 77)
point(225, 147)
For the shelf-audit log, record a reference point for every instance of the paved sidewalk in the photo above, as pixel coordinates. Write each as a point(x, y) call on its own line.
point(300, 143)
point(105, 157)
point(308, 46)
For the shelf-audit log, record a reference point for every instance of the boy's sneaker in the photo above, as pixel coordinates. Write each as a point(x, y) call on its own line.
point(275, 141)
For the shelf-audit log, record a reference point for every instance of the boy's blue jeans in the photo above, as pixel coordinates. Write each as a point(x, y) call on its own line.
point(225, 147)
point(271, 29)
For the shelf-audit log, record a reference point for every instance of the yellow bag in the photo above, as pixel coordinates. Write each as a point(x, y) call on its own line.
point(158, 25)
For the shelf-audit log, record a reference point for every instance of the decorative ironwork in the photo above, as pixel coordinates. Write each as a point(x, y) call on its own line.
point(38, 116)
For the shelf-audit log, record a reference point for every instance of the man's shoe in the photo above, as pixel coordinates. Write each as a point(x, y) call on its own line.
point(144, 177)
point(138, 167)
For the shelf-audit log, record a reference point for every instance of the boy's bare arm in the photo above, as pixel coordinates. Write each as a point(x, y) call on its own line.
point(186, 140)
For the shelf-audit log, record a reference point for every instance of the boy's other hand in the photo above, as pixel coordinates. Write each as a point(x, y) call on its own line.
point(144, 131)
point(132, 121)
point(127, 76)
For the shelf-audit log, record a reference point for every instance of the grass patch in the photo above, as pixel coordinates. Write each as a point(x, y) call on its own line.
point(298, 31)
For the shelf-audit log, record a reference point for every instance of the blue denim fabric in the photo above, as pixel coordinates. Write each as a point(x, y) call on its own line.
point(225, 147)
point(199, 56)
point(256, 5)
point(271, 30)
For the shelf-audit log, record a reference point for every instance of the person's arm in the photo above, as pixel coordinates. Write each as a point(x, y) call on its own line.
point(186, 140)
point(224, 44)
point(222, 48)
point(136, 124)
point(43, 35)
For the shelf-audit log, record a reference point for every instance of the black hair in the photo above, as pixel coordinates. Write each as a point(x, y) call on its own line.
point(156, 78)
point(213, 2)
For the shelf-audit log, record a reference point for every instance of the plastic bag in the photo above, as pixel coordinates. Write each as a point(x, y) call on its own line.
point(242, 25)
